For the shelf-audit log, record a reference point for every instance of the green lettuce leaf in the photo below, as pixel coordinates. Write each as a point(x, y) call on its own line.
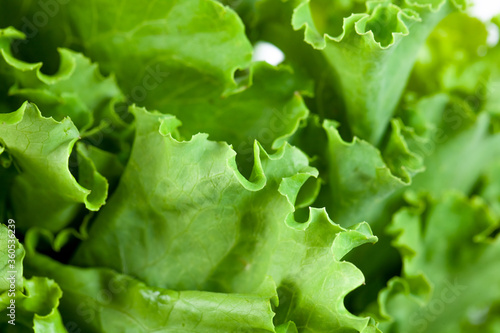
point(361, 179)
point(102, 162)
point(492, 104)
point(176, 78)
point(458, 61)
point(442, 281)
point(36, 308)
point(44, 192)
point(362, 183)
point(169, 42)
point(101, 300)
point(372, 53)
point(451, 128)
point(269, 110)
point(472, 140)
point(450, 102)
point(312, 289)
point(199, 182)
point(32, 305)
point(380, 108)
point(77, 90)
point(245, 229)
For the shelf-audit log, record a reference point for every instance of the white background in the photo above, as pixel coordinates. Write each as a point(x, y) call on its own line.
point(486, 9)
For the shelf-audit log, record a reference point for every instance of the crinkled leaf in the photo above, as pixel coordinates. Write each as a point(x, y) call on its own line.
point(361, 180)
point(450, 128)
point(175, 77)
point(105, 163)
point(77, 90)
point(372, 53)
point(314, 280)
point(215, 230)
point(361, 183)
point(442, 280)
point(45, 193)
point(167, 42)
point(196, 184)
point(35, 300)
point(456, 60)
point(458, 143)
point(268, 111)
point(36, 308)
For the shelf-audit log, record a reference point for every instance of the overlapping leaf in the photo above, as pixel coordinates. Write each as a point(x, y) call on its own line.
point(372, 53)
point(461, 119)
point(269, 111)
point(44, 192)
point(36, 300)
point(101, 300)
point(184, 217)
point(175, 80)
point(443, 281)
point(208, 228)
point(166, 42)
point(77, 90)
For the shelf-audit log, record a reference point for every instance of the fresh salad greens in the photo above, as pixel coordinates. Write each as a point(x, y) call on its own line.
point(154, 178)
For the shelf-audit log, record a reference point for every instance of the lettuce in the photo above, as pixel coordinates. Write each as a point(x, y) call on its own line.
point(440, 278)
point(156, 179)
point(33, 302)
point(45, 193)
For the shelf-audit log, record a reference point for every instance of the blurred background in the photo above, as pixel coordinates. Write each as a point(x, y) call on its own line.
point(486, 9)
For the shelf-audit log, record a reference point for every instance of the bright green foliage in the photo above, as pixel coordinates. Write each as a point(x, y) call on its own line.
point(245, 229)
point(77, 89)
point(443, 280)
point(36, 299)
point(160, 180)
point(100, 300)
point(44, 192)
point(372, 52)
